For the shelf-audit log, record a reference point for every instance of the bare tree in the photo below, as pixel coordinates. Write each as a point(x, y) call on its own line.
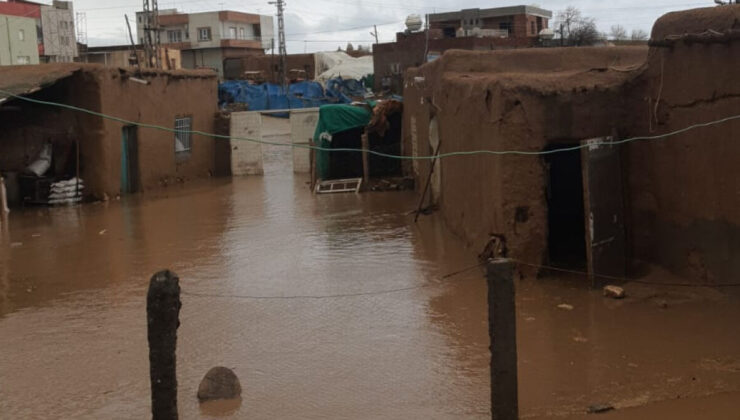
point(350, 47)
point(639, 35)
point(576, 29)
point(618, 33)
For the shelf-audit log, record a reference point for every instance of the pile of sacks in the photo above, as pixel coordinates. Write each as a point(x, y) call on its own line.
point(65, 192)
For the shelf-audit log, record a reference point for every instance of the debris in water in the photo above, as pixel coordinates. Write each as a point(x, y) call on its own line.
point(600, 408)
point(614, 292)
point(566, 306)
point(16, 244)
point(580, 339)
point(102, 232)
point(35, 235)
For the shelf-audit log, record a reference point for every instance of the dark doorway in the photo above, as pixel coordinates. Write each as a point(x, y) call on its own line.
point(345, 164)
point(129, 159)
point(566, 239)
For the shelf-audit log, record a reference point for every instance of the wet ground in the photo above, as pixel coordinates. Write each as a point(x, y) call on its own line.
point(330, 306)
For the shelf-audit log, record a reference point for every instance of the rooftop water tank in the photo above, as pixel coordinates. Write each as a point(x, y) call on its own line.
point(413, 23)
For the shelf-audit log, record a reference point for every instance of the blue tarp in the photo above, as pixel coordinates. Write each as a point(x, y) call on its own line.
point(306, 94)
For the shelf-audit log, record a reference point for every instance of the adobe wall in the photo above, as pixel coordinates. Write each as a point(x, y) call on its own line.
point(409, 50)
point(169, 95)
point(685, 190)
point(509, 100)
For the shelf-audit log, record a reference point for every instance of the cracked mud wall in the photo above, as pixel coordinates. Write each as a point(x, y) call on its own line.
point(518, 100)
point(682, 196)
point(684, 191)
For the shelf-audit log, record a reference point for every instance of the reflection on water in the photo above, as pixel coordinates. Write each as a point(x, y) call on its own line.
point(73, 328)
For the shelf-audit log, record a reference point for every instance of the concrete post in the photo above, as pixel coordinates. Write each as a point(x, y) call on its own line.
point(163, 310)
point(502, 333)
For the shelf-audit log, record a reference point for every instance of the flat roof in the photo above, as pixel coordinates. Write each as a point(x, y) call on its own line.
point(492, 12)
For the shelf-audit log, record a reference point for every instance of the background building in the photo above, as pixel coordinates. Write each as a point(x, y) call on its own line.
point(469, 29)
point(18, 41)
point(208, 39)
point(58, 32)
point(53, 31)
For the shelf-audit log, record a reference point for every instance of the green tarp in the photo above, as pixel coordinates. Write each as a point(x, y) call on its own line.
point(335, 119)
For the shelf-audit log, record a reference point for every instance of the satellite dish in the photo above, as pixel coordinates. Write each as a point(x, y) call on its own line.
point(413, 23)
point(547, 34)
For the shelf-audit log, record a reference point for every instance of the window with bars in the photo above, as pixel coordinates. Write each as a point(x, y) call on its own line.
point(204, 34)
point(183, 145)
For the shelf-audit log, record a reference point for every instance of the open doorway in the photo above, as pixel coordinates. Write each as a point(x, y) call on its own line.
point(566, 239)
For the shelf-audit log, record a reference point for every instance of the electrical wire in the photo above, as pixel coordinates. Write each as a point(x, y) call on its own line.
point(622, 279)
point(332, 296)
point(373, 152)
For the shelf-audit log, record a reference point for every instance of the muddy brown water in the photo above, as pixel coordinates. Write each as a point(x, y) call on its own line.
point(256, 254)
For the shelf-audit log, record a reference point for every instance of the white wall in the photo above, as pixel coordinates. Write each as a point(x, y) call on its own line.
point(302, 127)
point(246, 156)
point(267, 28)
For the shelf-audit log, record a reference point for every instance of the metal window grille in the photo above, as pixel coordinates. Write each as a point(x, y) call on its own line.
point(204, 34)
point(183, 126)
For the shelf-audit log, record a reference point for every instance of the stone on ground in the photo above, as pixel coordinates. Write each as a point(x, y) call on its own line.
point(219, 383)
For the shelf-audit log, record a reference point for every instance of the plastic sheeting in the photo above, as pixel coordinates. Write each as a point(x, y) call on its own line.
point(306, 94)
point(270, 96)
point(333, 65)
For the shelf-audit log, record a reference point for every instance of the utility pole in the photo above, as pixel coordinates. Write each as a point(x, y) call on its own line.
point(281, 42)
point(375, 33)
point(133, 45)
point(151, 33)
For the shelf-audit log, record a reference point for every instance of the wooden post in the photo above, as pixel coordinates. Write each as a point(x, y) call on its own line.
point(502, 333)
point(365, 160)
point(163, 310)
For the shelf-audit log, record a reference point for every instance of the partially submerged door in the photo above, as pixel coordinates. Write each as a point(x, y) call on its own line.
point(604, 209)
point(129, 160)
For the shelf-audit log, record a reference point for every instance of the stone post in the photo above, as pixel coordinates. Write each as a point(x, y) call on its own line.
point(163, 310)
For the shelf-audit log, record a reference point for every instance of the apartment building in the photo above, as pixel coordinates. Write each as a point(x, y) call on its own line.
point(468, 29)
point(18, 41)
point(58, 32)
point(503, 22)
point(51, 29)
point(209, 39)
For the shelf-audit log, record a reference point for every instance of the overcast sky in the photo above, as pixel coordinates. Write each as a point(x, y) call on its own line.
point(316, 25)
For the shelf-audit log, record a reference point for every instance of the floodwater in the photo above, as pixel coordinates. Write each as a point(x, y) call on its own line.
point(331, 306)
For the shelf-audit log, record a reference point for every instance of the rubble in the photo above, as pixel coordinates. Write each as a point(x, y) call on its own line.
point(614, 292)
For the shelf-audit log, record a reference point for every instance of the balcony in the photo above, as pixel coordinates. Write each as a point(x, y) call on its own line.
point(238, 42)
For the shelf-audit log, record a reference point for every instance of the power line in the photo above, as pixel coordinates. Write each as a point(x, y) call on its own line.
point(373, 152)
point(623, 279)
point(336, 295)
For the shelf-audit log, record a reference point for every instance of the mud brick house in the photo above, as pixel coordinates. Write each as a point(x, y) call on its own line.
point(111, 157)
point(609, 208)
point(469, 29)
